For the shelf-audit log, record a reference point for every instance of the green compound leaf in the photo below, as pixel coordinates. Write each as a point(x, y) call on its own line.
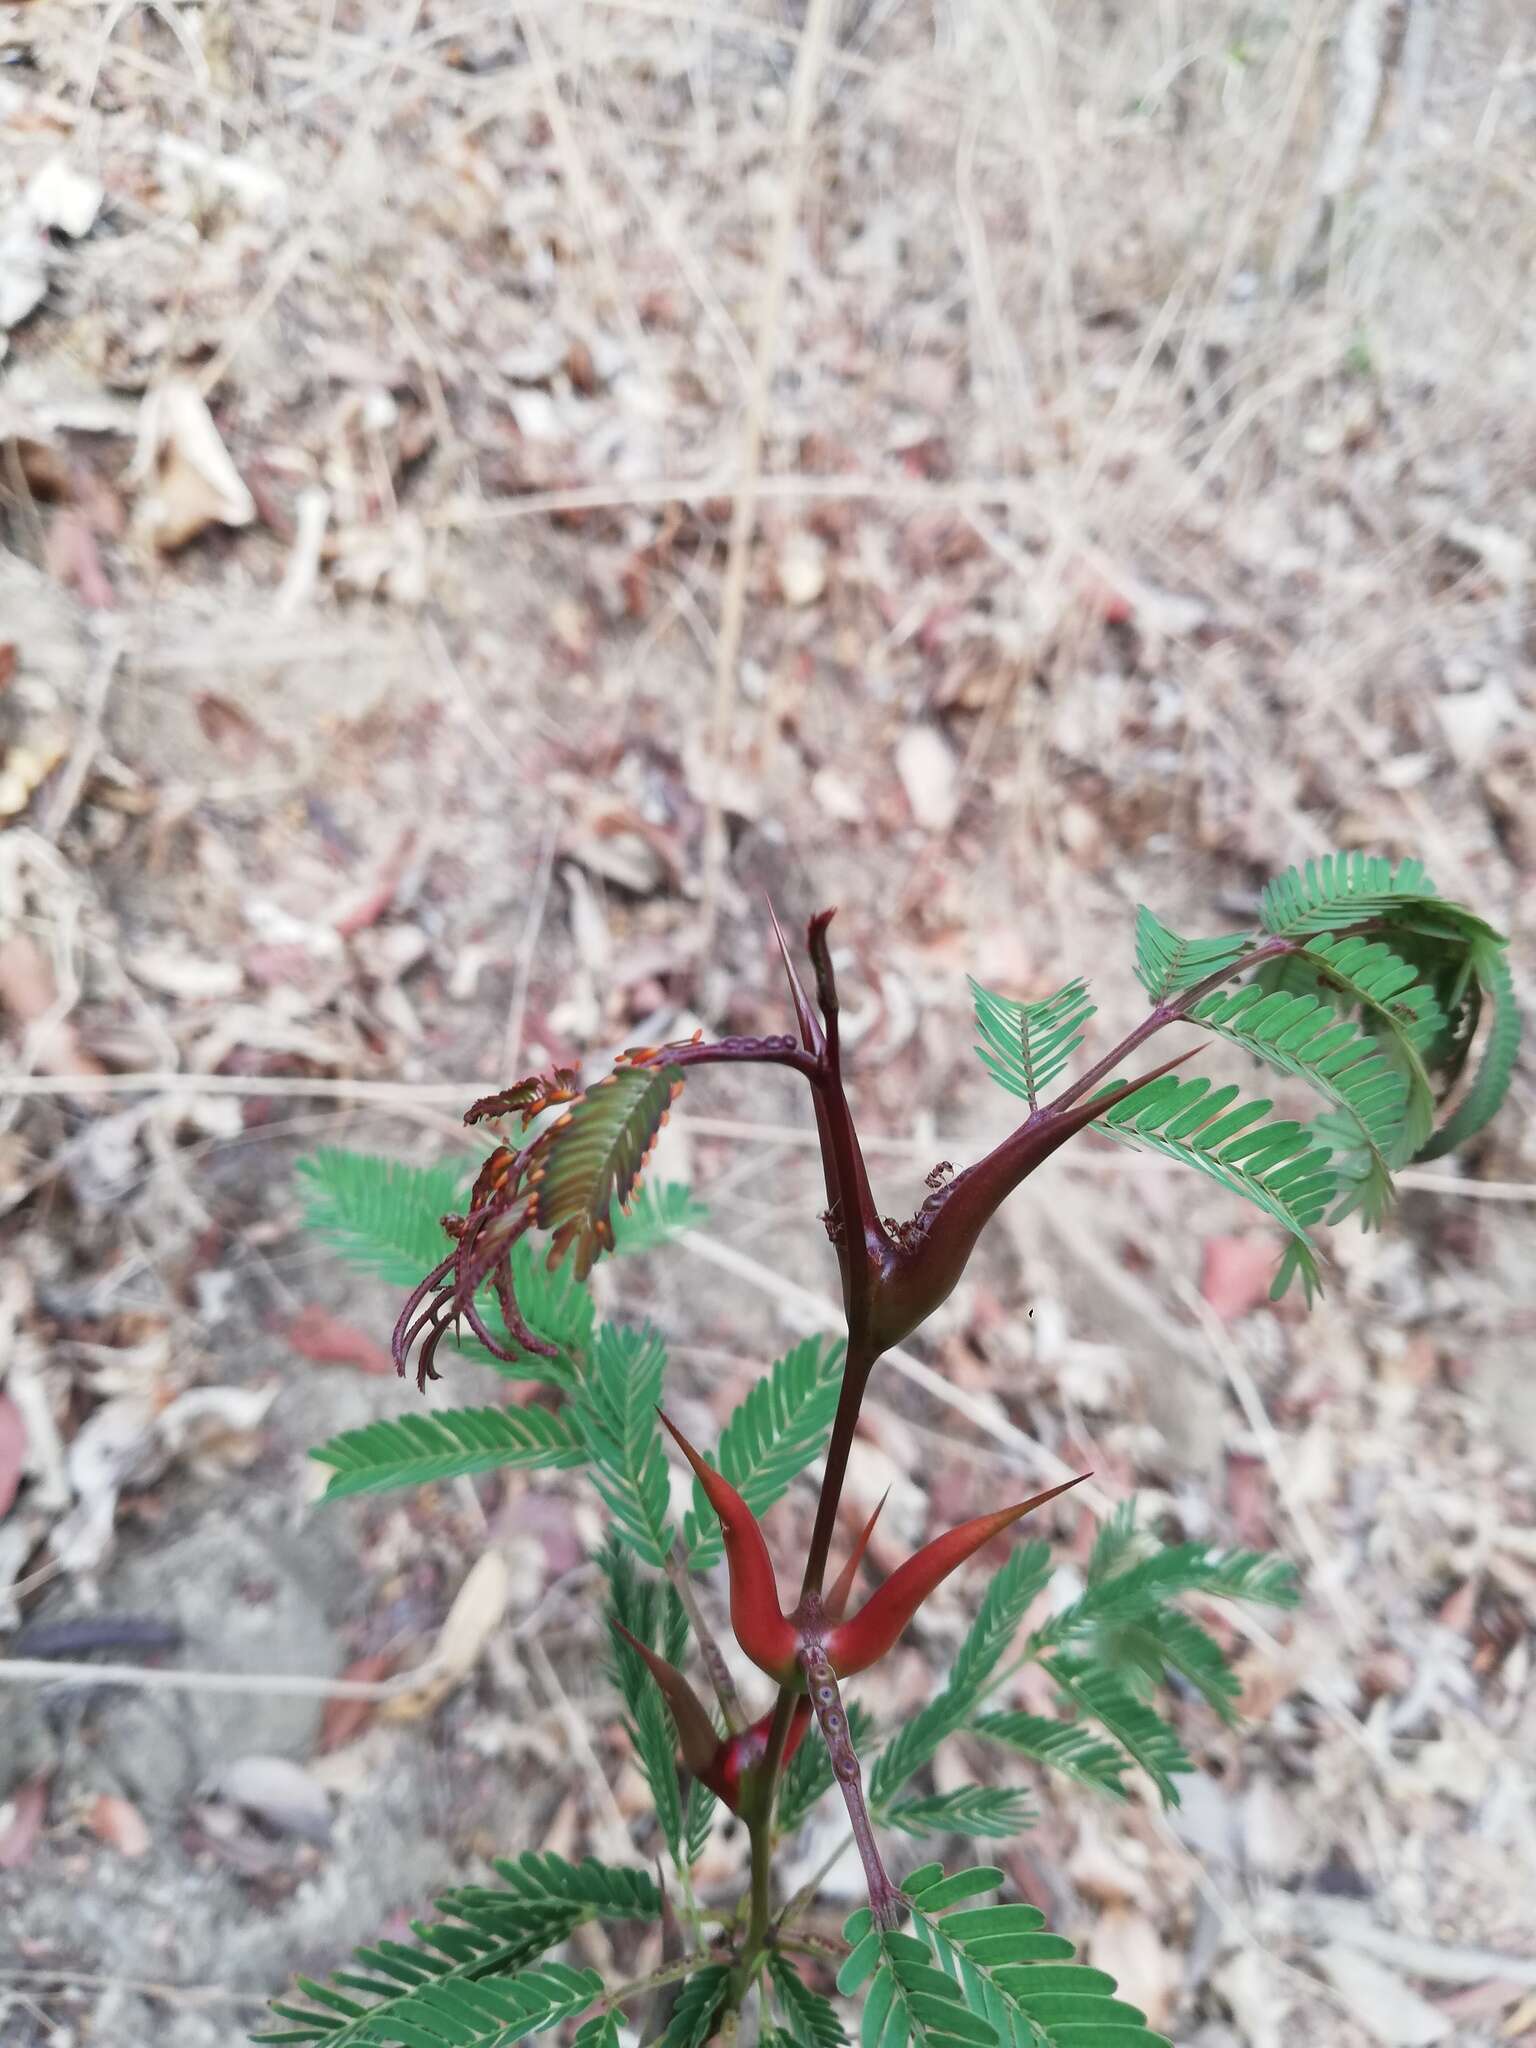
point(601, 1891)
point(615, 1411)
point(698, 1818)
point(1028, 1044)
point(1500, 1051)
point(697, 2008)
point(1304, 1035)
point(654, 1615)
point(379, 1214)
point(779, 1429)
point(810, 2020)
point(1138, 1590)
point(1124, 1620)
point(1011, 1591)
point(1143, 1734)
point(910, 2002)
point(463, 1988)
point(1175, 1641)
point(384, 1218)
point(985, 1810)
point(418, 1449)
point(1021, 1980)
point(1167, 965)
point(1341, 889)
point(657, 1216)
point(1066, 1746)
point(1274, 1165)
point(591, 1157)
point(1116, 1542)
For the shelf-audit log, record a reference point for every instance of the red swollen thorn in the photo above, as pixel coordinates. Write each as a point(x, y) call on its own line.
point(757, 1619)
point(855, 1645)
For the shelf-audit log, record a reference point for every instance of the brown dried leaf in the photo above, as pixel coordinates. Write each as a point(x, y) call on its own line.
point(1382, 2002)
point(1128, 1945)
point(26, 765)
point(1250, 1496)
point(70, 554)
point(1235, 1274)
point(28, 992)
point(327, 1339)
point(471, 1621)
point(345, 1719)
point(930, 776)
point(226, 725)
point(119, 1823)
point(187, 480)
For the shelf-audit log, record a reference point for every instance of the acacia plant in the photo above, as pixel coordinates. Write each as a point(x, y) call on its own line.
point(1389, 1002)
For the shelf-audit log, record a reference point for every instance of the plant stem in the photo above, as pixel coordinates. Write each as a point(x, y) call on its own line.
point(667, 1974)
point(829, 1946)
point(714, 1662)
point(1165, 1013)
point(762, 1897)
point(863, 1245)
point(777, 1052)
point(760, 1917)
point(856, 1370)
point(821, 1683)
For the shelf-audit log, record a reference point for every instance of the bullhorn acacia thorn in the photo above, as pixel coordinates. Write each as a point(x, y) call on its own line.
point(726, 1763)
point(808, 1650)
point(775, 1640)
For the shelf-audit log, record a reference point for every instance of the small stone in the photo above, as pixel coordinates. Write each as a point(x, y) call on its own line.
point(802, 569)
point(930, 776)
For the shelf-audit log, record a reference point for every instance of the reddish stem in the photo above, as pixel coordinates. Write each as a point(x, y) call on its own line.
point(827, 1705)
point(864, 1245)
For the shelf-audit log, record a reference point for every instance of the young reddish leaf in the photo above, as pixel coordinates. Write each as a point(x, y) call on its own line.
point(526, 1098)
point(855, 1645)
point(757, 1619)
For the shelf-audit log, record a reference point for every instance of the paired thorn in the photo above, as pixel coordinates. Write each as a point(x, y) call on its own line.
point(722, 1762)
point(854, 1645)
point(774, 1641)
